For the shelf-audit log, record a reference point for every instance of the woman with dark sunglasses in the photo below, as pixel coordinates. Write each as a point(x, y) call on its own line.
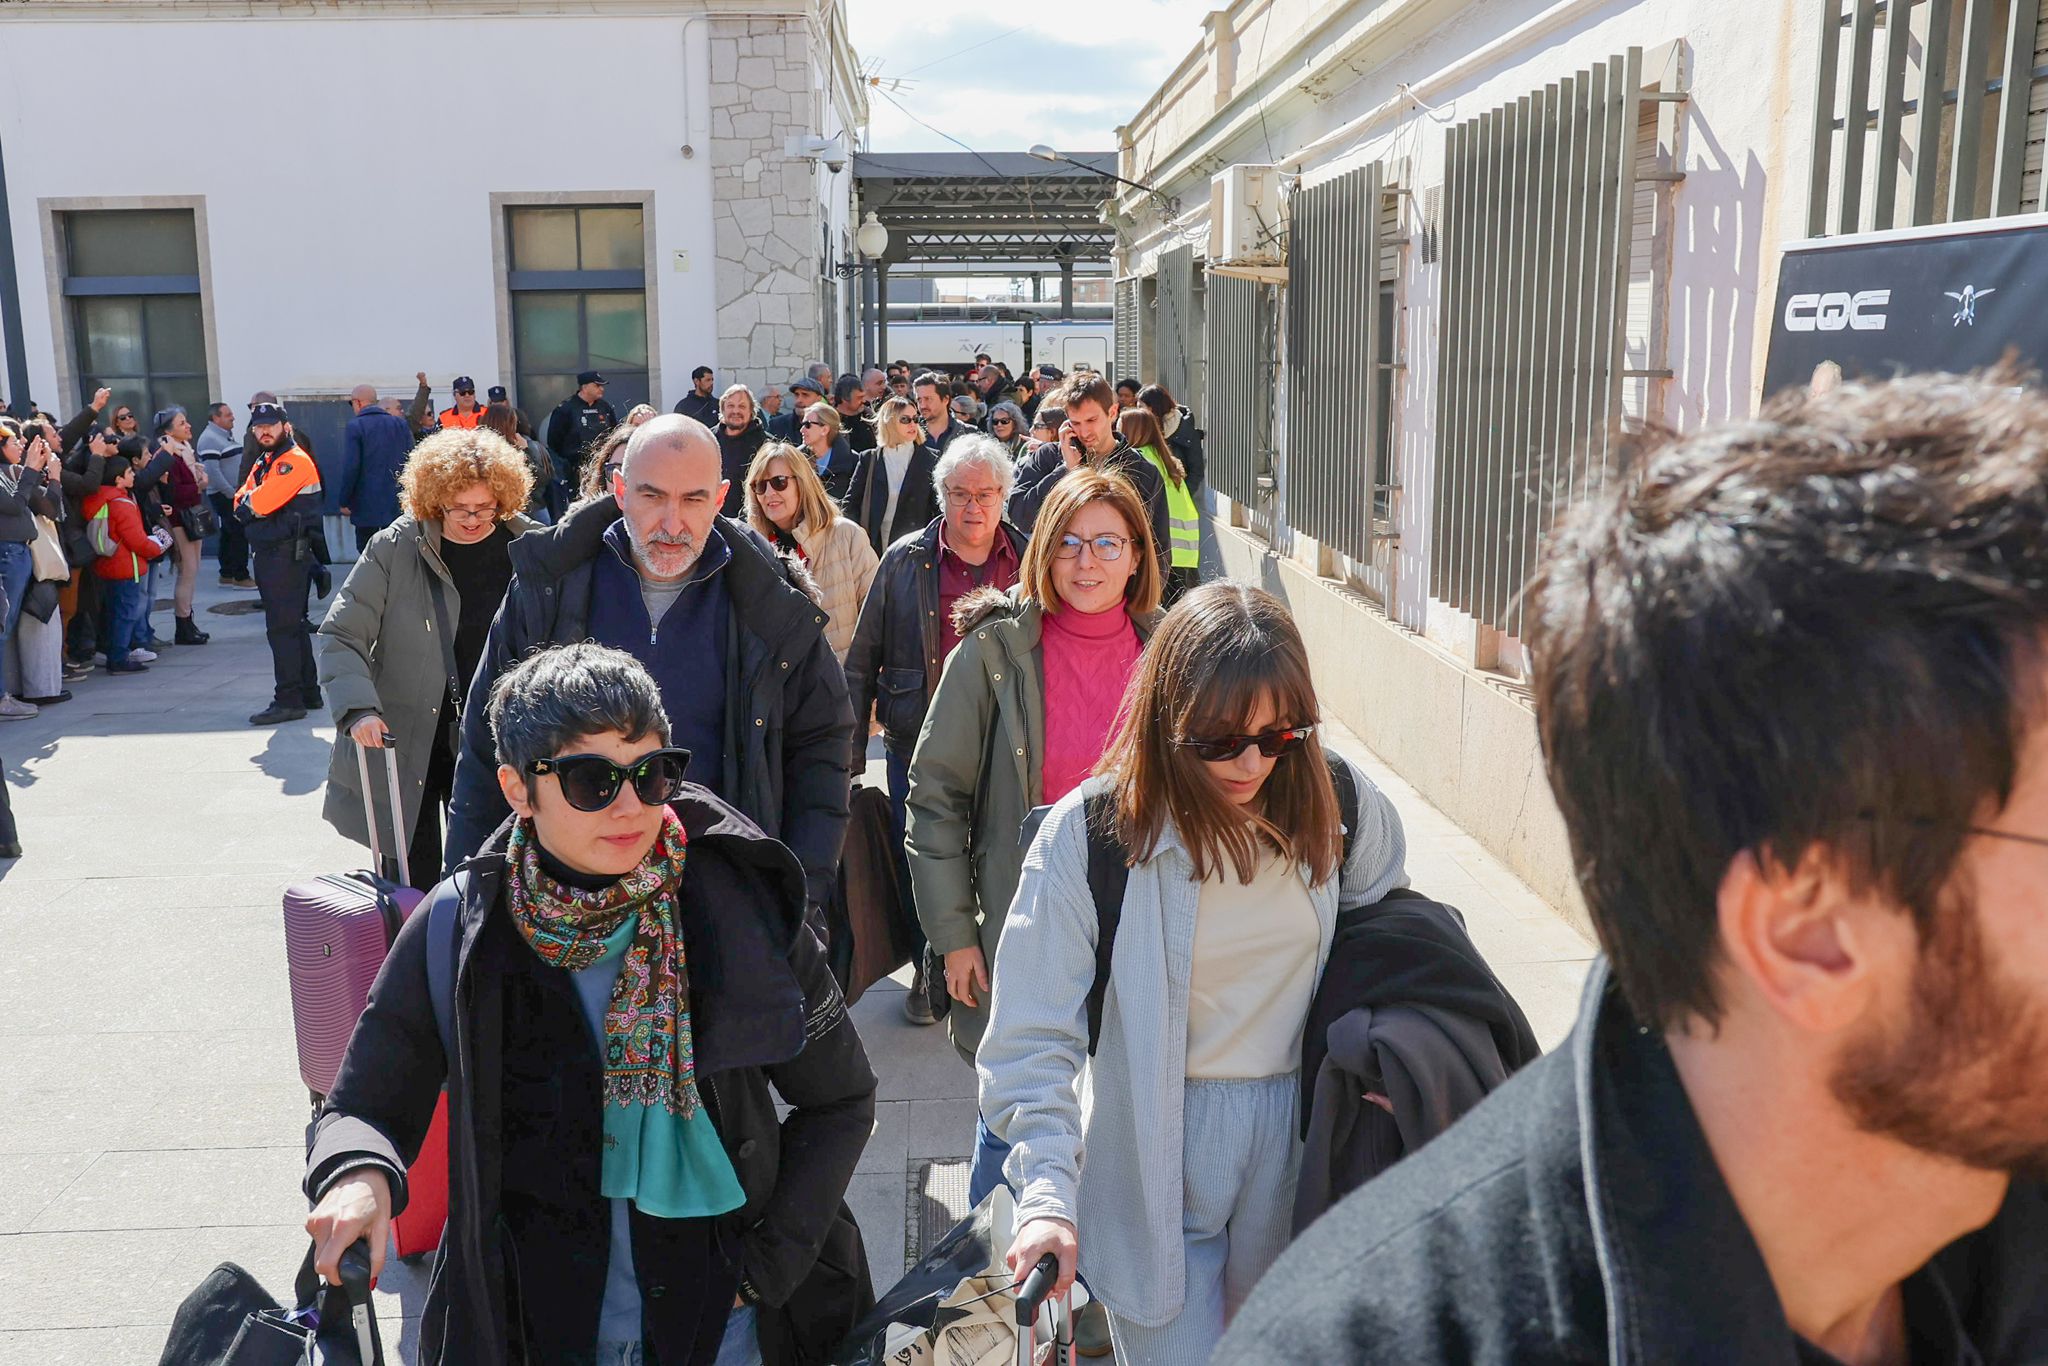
point(1223, 803)
point(788, 504)
point(1006, 424)
point(628, 974)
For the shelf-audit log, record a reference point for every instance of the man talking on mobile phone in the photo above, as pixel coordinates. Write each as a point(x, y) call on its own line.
point(1089, 437)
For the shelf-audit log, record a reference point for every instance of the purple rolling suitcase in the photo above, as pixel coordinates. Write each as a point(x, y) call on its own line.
point(337, 929)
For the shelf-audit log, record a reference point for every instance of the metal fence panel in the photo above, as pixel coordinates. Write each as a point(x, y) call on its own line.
point(1127, 364)
point(1239, 416)
point(1333, 319)
point(1538, 226)
point(1175, 320)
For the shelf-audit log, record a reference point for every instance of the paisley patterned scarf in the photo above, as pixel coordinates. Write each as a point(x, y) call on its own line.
point(649, 1058)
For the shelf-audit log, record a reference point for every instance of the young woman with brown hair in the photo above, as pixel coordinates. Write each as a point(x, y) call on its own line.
point(1183, 521)
point(1224, 805)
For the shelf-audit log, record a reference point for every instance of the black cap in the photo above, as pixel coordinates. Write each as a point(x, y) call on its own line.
point(496, 394)
point(1049, 372)
point(464, 385)
point(805, 382)
point(260, 413)
point(588, 377)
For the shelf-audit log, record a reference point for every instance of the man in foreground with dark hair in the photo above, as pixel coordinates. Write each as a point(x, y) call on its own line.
point(1791, 688)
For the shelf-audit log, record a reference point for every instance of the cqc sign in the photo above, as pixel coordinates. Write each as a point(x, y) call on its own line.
point(1862, 311)
point(1952, 299)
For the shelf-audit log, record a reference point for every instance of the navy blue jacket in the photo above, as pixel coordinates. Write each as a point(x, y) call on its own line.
point(374, 446)
point(685, 651)
point(788, 729)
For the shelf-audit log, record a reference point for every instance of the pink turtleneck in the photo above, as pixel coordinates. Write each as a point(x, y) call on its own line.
point(1088, 659)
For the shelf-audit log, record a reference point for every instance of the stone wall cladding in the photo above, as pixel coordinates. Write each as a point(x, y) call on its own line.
point(765, 210)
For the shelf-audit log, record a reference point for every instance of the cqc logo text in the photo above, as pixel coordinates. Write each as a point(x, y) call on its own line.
point(1862, 311)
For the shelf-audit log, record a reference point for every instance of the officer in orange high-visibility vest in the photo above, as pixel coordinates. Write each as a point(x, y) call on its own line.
point(279, 503)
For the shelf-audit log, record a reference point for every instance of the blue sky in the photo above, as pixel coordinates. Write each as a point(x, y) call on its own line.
point(1079, 68)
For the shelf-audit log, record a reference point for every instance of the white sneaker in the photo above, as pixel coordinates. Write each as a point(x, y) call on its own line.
point(146, 656)
point(14, 709)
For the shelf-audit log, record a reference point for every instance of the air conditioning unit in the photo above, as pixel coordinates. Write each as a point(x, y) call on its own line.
point(1247, 216)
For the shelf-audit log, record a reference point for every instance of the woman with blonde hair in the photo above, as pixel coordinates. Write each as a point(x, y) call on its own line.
point(407, 630)
point(1240, 837)
point(788, 504)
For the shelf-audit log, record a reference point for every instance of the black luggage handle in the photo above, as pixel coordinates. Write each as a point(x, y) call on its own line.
point(1037, 1285)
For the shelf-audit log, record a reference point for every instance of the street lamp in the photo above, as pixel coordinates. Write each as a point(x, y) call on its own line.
point(871, 239)
point(1169, 203)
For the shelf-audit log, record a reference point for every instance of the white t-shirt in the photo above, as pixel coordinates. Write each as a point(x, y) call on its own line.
point(895, 464)
point(1254, 972)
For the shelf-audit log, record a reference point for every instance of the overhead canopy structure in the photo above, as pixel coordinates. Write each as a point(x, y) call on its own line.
point(988, 211)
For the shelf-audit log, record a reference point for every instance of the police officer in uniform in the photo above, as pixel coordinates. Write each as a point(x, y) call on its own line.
point(579, 422)
point(279, 503)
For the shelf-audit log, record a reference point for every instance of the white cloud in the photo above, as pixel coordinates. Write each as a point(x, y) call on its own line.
point(1081, 68)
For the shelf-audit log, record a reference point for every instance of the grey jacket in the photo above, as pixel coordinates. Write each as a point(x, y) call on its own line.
point(1126, 1202)
point(976, 772)
point(383, 652)
point(20, 489)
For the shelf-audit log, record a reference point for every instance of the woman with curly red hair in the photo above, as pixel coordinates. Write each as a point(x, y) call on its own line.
point(406, 631)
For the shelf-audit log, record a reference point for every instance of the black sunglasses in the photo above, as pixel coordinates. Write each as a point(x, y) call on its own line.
point(812, 422)
point(778, 482)
point(591, 782)
point(1272, 744)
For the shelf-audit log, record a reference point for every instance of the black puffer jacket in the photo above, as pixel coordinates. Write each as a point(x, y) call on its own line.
point(520, 1274)
point(898, 649)
point(787, 723)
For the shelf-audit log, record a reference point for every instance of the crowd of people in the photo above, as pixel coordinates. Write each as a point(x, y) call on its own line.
point(1139, 871)
point(629, 725)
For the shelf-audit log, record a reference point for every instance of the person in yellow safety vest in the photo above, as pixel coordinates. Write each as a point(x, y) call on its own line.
point(467, 412)
point(279, 503)
point(1183, 523)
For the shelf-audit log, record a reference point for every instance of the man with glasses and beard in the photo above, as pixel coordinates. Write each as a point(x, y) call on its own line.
point(1791, 678)
point(750, 682)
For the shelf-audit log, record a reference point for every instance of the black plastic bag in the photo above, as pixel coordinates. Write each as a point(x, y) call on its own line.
point(229, 1320)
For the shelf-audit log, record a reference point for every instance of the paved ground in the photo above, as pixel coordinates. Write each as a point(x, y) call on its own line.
point(151, 1116)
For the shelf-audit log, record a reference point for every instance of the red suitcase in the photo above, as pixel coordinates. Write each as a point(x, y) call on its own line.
point(417, 1231)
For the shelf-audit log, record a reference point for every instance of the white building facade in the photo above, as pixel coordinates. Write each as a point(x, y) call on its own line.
point(1473, 246)
point(302, 198)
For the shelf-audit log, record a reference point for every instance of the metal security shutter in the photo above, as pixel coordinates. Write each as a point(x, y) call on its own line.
point(1539, 208)
point(1894, 144)
point(1178, 342)
point(1127, 330)
point(1333, 321)
point(1240, 409)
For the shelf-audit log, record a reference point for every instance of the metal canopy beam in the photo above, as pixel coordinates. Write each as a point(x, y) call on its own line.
point(987, 208)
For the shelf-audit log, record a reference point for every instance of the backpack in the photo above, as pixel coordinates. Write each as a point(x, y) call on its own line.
point(99, 532)
point(1109, 873)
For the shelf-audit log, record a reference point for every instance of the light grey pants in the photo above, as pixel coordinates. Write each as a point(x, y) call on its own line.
point(1239, 1161)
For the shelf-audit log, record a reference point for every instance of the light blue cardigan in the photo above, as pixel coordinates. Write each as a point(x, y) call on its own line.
point(1124, 1109)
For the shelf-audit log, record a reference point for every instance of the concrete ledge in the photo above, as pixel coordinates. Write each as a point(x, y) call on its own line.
point(1465, 742)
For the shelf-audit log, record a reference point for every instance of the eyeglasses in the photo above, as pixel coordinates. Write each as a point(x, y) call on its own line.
point(1271, 743)
point(1108, 548)
point(1926, 823)
point(812, 422)
point(489, 514)
point(778, 482)
point(590, 782)
point(987, 499)
point(999, 422)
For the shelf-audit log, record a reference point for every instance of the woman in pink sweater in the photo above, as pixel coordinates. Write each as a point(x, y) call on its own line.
point(1020, 716)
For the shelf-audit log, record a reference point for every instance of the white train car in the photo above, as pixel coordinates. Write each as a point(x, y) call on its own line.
point(950, 345)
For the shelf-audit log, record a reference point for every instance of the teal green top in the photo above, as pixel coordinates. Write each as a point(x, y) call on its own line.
point(668, 1166)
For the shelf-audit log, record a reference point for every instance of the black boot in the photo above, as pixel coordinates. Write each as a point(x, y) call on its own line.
point(188, 633)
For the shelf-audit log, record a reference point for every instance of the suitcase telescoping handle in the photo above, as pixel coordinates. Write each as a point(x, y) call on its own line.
point(390, 752)
point(1030, 1295)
